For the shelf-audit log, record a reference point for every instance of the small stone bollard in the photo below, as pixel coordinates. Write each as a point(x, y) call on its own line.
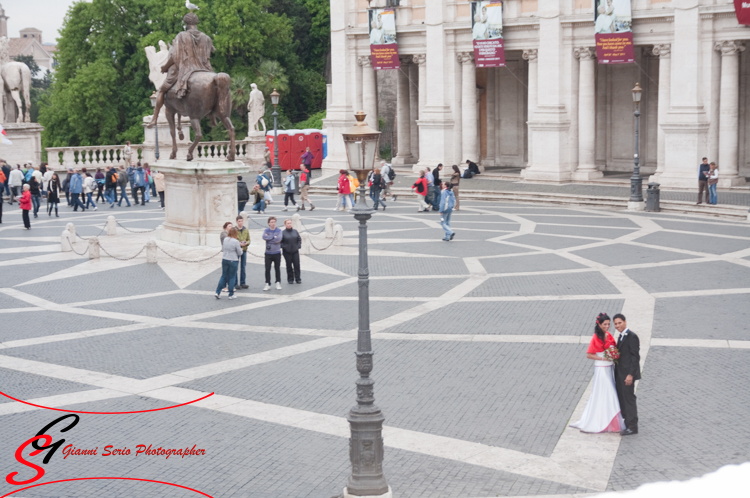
point(65, 241)
point(244, 217)
point(338, 235)
point(306, 245)
point(111, 226)
point(94, 248)
point(296, 222)
point(329, 228)
point(151, 256)
point(72, 229)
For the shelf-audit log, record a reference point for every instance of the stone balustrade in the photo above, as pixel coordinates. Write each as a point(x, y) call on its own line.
point(249, 152)
point(95, 156)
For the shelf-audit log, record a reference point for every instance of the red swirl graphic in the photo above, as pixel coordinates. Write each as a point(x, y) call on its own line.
point(104, 413)
point(115, 478)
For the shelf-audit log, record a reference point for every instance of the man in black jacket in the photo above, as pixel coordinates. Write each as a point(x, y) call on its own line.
point(627, 371)
point(243, 195)
point(291, 242)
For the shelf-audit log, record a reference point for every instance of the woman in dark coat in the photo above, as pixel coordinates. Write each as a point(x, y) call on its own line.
point(53, 195)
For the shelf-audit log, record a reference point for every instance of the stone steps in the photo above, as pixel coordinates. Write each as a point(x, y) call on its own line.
point(736, 213)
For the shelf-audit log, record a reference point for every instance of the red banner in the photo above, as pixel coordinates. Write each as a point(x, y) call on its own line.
point(742, 9)
point(383, 46)
point(487, 33)
point(489, 53)
point(384, 56)
point(614, 48)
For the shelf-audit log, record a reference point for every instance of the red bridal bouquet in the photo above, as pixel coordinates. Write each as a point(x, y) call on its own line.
point(612, 354)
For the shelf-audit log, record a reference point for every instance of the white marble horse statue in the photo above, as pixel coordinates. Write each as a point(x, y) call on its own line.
point(16, 77)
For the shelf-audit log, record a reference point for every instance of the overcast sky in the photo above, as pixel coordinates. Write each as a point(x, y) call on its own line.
point(46, 15)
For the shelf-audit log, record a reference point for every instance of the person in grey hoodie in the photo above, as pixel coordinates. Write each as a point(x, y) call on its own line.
point(273, 236)
point(229, 262)
point(289, 190)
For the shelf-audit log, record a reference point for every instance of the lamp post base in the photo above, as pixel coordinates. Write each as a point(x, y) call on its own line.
point(636, 206)
point(277, 191)
point(389, 494)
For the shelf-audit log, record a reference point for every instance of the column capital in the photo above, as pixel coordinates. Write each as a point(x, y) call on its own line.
point(584, 53)
point(732, 47)
point(465, 57)
point(405, 60)
point(530, 54)
point(663, 51)
point(419, 59)
point(364, 61)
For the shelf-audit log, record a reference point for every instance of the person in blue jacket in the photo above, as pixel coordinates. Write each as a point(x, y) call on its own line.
point(447, 202)
point(76, 189)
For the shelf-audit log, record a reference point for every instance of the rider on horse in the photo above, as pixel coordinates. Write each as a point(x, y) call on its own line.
point(190, 53)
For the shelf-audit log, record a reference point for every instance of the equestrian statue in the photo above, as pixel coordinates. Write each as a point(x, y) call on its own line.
point(192, 88)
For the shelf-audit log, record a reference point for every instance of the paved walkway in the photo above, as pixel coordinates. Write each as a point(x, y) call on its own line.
point(479, 367)
point(486, 182)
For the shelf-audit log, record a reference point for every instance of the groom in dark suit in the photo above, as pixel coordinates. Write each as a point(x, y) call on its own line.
point(627, 371)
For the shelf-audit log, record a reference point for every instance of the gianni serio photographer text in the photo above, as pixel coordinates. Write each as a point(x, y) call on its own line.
point(43, 442)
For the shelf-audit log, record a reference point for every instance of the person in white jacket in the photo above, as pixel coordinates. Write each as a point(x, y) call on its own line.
point(15, 182)
point(89, 187)
point(45, 180)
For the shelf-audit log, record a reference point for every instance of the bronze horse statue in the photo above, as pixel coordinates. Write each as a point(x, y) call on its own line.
point(209, 95)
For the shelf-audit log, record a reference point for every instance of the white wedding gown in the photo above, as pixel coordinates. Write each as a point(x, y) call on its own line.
point(602, 412)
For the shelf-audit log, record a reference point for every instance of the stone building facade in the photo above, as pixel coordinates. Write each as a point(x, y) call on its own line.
point(553, 110)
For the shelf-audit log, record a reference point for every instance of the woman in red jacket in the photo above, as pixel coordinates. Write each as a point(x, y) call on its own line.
point(25, 203)
point(344, 191)
point(420, 187)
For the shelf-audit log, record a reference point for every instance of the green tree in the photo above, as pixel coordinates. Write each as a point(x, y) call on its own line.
point(100, 91)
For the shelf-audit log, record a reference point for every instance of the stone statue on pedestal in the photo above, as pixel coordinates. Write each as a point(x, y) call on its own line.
point(192, 89)
point(16, 78)
point(256, 109)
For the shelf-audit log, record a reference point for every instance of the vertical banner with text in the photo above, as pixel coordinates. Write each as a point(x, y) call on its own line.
point(383, 46)
point(487, 33)
point(742, 9)
point(613, 31)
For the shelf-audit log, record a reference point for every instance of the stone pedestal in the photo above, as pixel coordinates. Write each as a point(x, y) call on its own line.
point(256, 145)
point(27, 144)
point(200, 197)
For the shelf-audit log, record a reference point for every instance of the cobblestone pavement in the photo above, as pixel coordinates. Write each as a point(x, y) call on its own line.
point(479, 353)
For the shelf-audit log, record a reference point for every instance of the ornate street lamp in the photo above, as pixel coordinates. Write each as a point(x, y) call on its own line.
point(636, 182)
point(276, 169)
point(156, 127)
point(365, 419)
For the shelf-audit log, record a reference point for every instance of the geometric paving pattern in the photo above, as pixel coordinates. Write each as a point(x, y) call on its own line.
point(479, 353)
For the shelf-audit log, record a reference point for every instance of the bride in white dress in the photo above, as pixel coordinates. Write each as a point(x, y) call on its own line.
point(602, 412)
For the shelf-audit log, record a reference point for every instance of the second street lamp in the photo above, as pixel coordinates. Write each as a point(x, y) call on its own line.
point(276, 169)
point(365, 419)
point(636, 182)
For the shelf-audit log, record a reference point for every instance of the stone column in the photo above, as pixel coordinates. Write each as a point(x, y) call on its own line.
point(531, 56)
point(420, 61)
point(403, 118)
point(549, 125)
point(729, 113)
point(489, 160)
point(586, 115)
point(414, 109)
point(369, 92)
point(686, 123)
point(339, 114)
point(469, 115)
point(663, 52)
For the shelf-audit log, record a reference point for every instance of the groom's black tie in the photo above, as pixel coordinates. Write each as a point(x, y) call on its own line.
point(619, 341)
